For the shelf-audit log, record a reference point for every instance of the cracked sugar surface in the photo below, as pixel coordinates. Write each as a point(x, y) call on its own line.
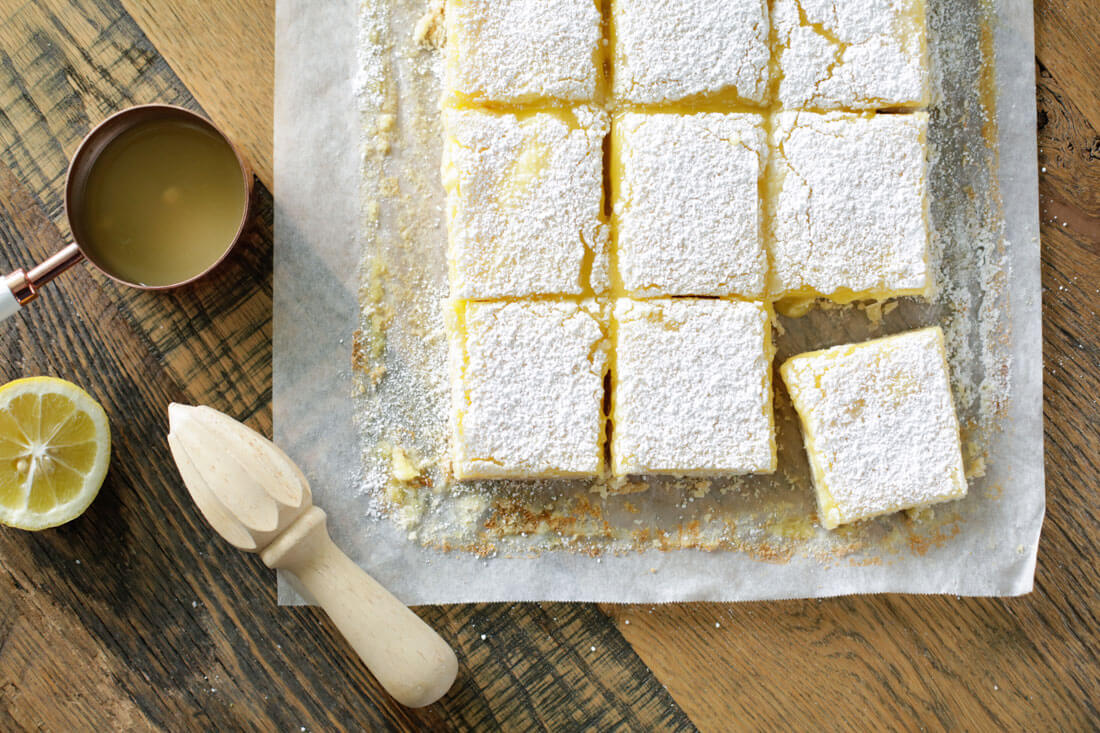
point(524, 202)
point(665, 52)
point(529, 394)
point(848, 206)
point(692, 392)
point(851, 54)
point(687, 206)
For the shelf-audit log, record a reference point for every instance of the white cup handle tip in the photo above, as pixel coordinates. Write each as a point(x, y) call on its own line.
point(9, 306)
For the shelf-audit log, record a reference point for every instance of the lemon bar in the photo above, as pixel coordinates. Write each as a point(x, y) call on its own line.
point(688, 50)
point(523, 51)
point(687, 212)
point(849, 206)
point(525, 202)
point(851, 54)
point(527, 389)
point(691, 391)
point(879, 425)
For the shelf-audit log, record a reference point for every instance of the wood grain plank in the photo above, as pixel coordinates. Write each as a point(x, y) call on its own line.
point(944, 664)
point(226, 52)
point(1069, 160)
point(1065, 43)
point(553, 666)
point(53, 674)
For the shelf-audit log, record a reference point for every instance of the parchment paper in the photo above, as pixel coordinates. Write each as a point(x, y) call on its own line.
point(350, 99)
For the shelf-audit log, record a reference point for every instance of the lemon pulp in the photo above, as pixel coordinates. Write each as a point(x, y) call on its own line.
point(55, 446)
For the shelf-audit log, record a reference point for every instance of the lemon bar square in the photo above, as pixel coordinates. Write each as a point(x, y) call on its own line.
point(527, 389)
point(691, 387)
point(693, 49)
point(525, 202)
point(849, 206)
point(851, 54)
point(879, 425)
point(687, 211)
point(523, 51)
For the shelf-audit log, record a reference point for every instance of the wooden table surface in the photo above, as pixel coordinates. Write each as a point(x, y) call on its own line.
point(137, 617)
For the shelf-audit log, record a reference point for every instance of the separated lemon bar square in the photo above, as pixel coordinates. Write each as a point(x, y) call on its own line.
point(527, 389)
point(879, 425)
point(686, 203)
point(525, 202)
point(851, 54)
point(523, 51)
point(849, 206)
point(691, 391)
point(689, 50)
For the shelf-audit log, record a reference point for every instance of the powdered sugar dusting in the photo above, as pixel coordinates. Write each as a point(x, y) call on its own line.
point(525, 197)
point(668, 51)
point(850, 210)
point(880, 425)
point(692, 392)
point(503, 51)
point(688, 212)
point(529, 390)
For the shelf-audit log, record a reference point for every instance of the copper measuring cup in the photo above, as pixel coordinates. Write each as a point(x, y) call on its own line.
point(22, 286)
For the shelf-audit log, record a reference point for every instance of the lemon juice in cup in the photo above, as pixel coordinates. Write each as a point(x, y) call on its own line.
point(156, 197)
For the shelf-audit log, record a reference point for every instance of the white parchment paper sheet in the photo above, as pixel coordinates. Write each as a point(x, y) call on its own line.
point(317, 254)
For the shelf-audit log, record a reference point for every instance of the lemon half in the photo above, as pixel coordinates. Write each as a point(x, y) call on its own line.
point(55, 445)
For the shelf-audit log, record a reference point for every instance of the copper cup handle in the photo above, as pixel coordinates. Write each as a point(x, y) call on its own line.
point(22, 286)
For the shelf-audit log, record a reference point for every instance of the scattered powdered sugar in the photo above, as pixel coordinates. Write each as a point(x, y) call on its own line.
point(667, 51)
point(880, 424)
point(851, 54)
point(850, 211)
point(688, 211)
